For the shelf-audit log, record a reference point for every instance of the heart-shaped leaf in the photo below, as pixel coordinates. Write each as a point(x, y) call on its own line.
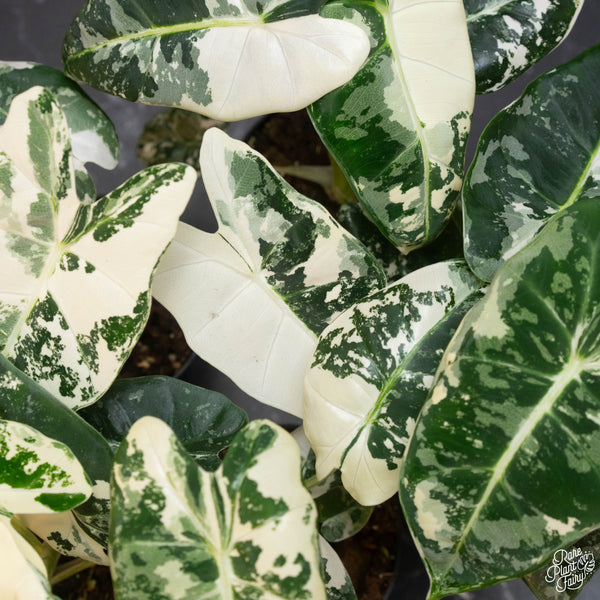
point(398, 129)
point(227, 60)
point(371, 372)
point(22, 571)
point(93, 136)
point(252, 298)
point(509, 37)
point(203, 421)
point(38, 474)
point(247, 530)
point(77, 274)
point(504, 466)
point(339, 515)
point(534, 159)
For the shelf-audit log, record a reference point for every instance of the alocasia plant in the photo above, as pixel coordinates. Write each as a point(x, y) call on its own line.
point(479, 404)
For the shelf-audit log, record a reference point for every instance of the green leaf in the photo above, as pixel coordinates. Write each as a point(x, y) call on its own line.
point(77, 274)
point(93, 136)
point(337, 581)
point(339, 515)
point(252, 298)
point(38, 474)
point(22, 571)
point(398, 129)
point(503, 467)
point(395, 264)
point(371, 372)
point(569, 570)
point(245, 531)
point(535, 158)
point(203, 421)
point(228, 60)
point(509, 37)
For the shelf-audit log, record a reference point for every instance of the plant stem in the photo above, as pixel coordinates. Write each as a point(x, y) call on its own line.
point(69, 569)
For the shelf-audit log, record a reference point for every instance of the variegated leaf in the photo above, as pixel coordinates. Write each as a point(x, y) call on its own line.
point(504, 465)
point(371, 372)
point(93, 136)
point(509, 37)
point(339, 515)
point(337, 581)
point(21, 399)
point(535, 158)
point(228, 59)
point(38, 474)
point(205, 422)
point(247, 530)
point(64, 533)
point(252, 298)
point(398, 129)
point(22, 571)
point(395, 264)
point(566, 575)
point(77, 274)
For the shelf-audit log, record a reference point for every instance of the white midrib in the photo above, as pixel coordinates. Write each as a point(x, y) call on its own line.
point(571, 371)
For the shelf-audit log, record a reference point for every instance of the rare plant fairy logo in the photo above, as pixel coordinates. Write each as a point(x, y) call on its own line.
point(570, 568)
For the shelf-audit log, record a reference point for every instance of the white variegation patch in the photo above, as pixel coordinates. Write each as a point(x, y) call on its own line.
point(22, 571)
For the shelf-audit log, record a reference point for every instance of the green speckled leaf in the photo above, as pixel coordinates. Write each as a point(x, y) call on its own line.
point(75, 296)
point(203, 421)
point(21, 399)
point(246, 531)
point(38, 474)
point(371, 372)
point(252, 298)
point(395, 264)
point(22, 571)
point(504, 465)
point(227, 59)
point(510, 36)
point(398, 129)
point(93, 136)
point(340, 516)
point(569, 570)
point(535, 158)
point(337, 581)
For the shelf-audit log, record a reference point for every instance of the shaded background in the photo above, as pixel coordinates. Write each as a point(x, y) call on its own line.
point(32, 30)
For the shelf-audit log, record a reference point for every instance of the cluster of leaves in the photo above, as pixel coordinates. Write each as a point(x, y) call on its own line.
point(467, 383)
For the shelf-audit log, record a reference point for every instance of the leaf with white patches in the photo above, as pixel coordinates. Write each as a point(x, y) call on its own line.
point(337, 581)
point(220, 59)
point(77, 274)
point(398, 129)
point(21, 399)
point(247, 530)
point(339, 515)
point(252, 298)
point(504, 465)
point(93, 136)
point(371, 372)
point(581, 560)
point(535, 158)
point(38, 474)
point(205, 422)
point(22, 571)
point(509, 37)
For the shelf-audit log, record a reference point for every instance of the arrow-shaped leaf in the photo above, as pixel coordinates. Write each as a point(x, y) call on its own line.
point(371, 372)
point(503, 467)
point(398, 129)
point(247, 530)
point(77, 274)
point(252, 298)
point(228, 60)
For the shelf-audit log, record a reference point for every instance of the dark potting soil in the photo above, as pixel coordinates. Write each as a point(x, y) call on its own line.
point(369, 556)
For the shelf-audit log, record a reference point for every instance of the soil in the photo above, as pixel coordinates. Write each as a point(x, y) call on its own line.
point(369, 556)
